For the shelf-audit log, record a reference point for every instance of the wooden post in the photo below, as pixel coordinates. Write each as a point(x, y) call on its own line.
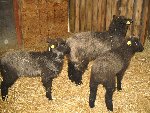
point(148, 22)
point(82, 15)
point(144, 19)
point(94, 15)
point(71, 10)
point(88, 15)
point(17, 22)
point(77, 15)
point(129, 13)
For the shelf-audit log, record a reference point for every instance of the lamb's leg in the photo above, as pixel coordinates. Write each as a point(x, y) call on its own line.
point(77, 77)
point(71, 71)
point(47, 83)
point(93, 91)
point(119, 80)
point(74, 74)
point(9, 78)
point(110, 88)
point(4, 90)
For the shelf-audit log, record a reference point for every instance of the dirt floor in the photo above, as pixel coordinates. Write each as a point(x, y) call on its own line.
point(27, 95)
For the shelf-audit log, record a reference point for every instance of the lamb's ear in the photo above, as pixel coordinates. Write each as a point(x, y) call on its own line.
point(51, 40)
point(114, 16)
point(61, 40)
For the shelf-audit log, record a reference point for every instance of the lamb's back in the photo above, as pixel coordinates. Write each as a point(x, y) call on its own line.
point(107, 65)
point(88, 45)
point(22, 62)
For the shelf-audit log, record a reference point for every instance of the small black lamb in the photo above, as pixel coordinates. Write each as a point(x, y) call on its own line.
point(86, 46)
point(47, 64)
point(109, 65)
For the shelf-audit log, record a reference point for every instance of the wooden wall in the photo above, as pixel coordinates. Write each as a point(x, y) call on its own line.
point(95, 15)
point(41, 19)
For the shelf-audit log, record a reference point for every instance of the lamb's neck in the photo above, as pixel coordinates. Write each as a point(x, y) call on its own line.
point(119, 31)
point(127, 53)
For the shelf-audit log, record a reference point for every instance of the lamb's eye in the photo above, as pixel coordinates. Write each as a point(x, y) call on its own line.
point(136, 43)
point(63, 44)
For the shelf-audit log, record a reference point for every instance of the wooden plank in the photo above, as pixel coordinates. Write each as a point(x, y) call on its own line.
point(123, 7)
point(129, 11)
point(82, 15)
point(71, 15)
point(133, 17)
point(144, 19)
point(148, 25)
point(94, 15)
point(108, 13)
point(137, 16)
point(17, 21)
point(114, 9)
point(104, 3)
point(118, 7)
point(129, 14)
point(110, 10)
point(89, 15)
point(99, 15)
point(77, 15)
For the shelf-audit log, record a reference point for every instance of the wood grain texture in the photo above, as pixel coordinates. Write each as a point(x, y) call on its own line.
point(96, 15)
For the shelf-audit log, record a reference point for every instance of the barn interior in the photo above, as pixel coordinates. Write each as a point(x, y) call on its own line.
point(39, 19)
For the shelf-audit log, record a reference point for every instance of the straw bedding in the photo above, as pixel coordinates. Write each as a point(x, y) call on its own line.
point(27, 95)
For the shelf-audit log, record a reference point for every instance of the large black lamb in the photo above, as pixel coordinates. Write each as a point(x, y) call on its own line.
point(86, 46)
point(109, 65)
point(47, 64)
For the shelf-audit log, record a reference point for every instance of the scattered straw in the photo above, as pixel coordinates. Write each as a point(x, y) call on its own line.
point(27, 95)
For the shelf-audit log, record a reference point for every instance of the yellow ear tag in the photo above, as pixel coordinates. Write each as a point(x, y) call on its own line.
point(52, 46)
point(129, 43)
point(128, 23)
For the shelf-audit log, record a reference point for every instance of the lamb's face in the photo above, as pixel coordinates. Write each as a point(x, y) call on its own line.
point(135, 44)
point(58, 46)
point(62, 47)
point(121, 21)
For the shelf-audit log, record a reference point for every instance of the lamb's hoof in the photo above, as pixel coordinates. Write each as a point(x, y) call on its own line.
point(110, 109)
point(91, 105)
point(4, 98)
point(119, 89)
point(78, 82)
point(49, 97)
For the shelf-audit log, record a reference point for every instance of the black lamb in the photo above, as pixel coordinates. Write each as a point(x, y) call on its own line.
point(109, 65)
point(86, 46)
point(47, 64)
